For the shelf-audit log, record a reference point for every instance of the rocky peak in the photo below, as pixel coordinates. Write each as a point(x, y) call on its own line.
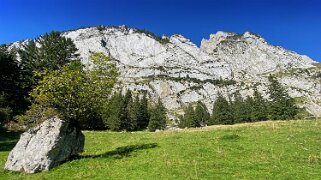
point(209, 45)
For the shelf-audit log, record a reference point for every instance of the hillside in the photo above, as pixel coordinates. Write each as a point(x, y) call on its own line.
point(179, 72)
point(263, 150)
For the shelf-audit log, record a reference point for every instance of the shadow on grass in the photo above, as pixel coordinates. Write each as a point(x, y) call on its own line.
point(8, 139)
point(120, 152)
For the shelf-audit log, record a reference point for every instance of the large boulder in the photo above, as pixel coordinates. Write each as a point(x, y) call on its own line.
point(45, 146)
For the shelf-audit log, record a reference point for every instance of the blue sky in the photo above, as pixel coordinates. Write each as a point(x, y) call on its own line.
point(295, 25)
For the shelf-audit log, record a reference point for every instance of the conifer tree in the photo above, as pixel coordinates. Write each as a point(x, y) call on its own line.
point(29, 63)
point(50, 51)
point(112, 117)
point(238, 105)
point(222, 112)
point(11, 83)
point(189, 118)
point(259, 112)
point(202, 115)
point(157, 117)
point(143, 116)
point(133, 110)
point(282, 106)
point(124, 114)
point(248, 109)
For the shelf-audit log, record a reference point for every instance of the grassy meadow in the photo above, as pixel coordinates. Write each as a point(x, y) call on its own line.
point(262, 150)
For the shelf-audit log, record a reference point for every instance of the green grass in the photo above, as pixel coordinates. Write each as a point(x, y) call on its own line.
point(264, 150)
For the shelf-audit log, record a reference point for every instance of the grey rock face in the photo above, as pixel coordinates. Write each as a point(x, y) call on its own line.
point(178, 72)
point(45, 146)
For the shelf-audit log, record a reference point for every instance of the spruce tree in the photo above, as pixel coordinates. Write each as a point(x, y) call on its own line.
point(143, 116)
point(189, 118)
point(55, 50)
point(112, 117)
point(222, 111)
point(248, 109)
point(49, 51)
point(133, 113)
point(238, 105)
point(12, 84)
point(29, 63)
point(202, 115)
point(282, 106)
point(124, 114)
point(157, 117)
point(259, 112)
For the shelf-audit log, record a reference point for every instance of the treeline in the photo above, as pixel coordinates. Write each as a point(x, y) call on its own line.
point(131, 113)
point(250, 109)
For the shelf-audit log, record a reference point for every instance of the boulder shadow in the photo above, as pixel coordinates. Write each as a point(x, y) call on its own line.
point(120, 152)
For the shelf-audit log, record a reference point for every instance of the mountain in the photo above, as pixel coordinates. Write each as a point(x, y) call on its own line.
point(179, 72)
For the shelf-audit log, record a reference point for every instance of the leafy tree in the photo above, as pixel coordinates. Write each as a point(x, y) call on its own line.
point(222, 113)
point(143, 116)
point(77, 94)
point(202, 115)
point(157, 117)
point(259, 106)
point(282, 106)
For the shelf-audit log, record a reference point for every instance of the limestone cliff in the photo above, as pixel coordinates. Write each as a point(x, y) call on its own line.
point(179, 72)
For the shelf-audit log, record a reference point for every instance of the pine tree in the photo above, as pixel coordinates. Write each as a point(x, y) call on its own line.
point(202, 115)
point(282, 106)
point(259, 112)
point(143, 116)
point(222, 112)
point(157, 117)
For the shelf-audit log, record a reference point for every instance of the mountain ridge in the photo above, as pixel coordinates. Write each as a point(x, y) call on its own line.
point(179, 72)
